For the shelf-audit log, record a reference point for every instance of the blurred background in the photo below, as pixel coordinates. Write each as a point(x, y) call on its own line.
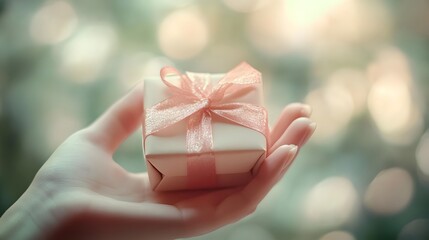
point(361, 64)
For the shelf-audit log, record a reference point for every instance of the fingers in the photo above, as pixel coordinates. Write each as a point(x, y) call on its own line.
point(297, 133)
point(280, 156)
point(245, 201)
point(119, 121)
point(288, 115)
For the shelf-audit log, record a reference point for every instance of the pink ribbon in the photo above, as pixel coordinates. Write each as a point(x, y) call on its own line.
point(195, 99)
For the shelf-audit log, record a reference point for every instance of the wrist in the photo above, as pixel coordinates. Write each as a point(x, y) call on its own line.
point(18, 222)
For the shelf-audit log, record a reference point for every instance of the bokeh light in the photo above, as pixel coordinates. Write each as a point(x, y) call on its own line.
point(308, 25)
point(331, 202)
point(267, 31)
point(84, 56)
point(390, 93)
point(168, 4)
point(246, 5)
point(135, 66)
point(183, 34)
point(287, 25)
point(422, 154)
point(338, 235)
point(390, 192)
point(355, 83)
point(53, 22)
point(338, 101)
point(349, 22)
point(305, 15)
point(391, 101)
point(417, 229)
point(333, 108)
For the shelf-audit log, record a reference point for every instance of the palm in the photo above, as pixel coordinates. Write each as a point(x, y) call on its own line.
point(88, 185)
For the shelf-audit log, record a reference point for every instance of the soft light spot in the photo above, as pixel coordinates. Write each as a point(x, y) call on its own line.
point(183, 34)
point(53, 23)
point(84, 56)
point(307, 25)
point(355, 83)
point(246, 5)
point(351, 21)
point(390, 103)
point(154, 65)
point(303, 20)
point(391, 100)
point(268, 30)
point(390, 192)
point(417, 230)
point(135, 67)
point(331, 202)
point(422, 154)
point(333, 107)
point(305, 13)
point(167, 4)
point(338, 235)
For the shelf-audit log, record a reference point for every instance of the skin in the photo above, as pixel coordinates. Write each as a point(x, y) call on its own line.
point(81, 193)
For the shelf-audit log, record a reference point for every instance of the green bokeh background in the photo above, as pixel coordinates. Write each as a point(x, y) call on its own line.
point(361, 64)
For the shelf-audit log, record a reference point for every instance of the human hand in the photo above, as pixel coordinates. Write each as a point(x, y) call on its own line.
point(82, 193)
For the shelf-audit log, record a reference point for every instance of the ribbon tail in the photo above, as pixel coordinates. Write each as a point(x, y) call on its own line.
point(201, 165)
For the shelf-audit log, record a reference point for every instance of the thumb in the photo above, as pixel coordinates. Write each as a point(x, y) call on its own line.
point(119, 121)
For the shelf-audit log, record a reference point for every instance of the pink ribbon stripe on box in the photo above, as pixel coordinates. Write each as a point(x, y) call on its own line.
point(194, 99)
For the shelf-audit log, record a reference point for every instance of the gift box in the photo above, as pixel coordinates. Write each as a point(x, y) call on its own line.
point(203, 131)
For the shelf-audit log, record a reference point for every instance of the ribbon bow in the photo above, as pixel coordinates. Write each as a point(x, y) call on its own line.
point(194, 98)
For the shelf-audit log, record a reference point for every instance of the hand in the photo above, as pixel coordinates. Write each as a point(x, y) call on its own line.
point(81, 193)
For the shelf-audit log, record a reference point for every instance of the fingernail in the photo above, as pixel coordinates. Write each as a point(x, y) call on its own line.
point(306, 110)
point(290, 156)
point(311, 127)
